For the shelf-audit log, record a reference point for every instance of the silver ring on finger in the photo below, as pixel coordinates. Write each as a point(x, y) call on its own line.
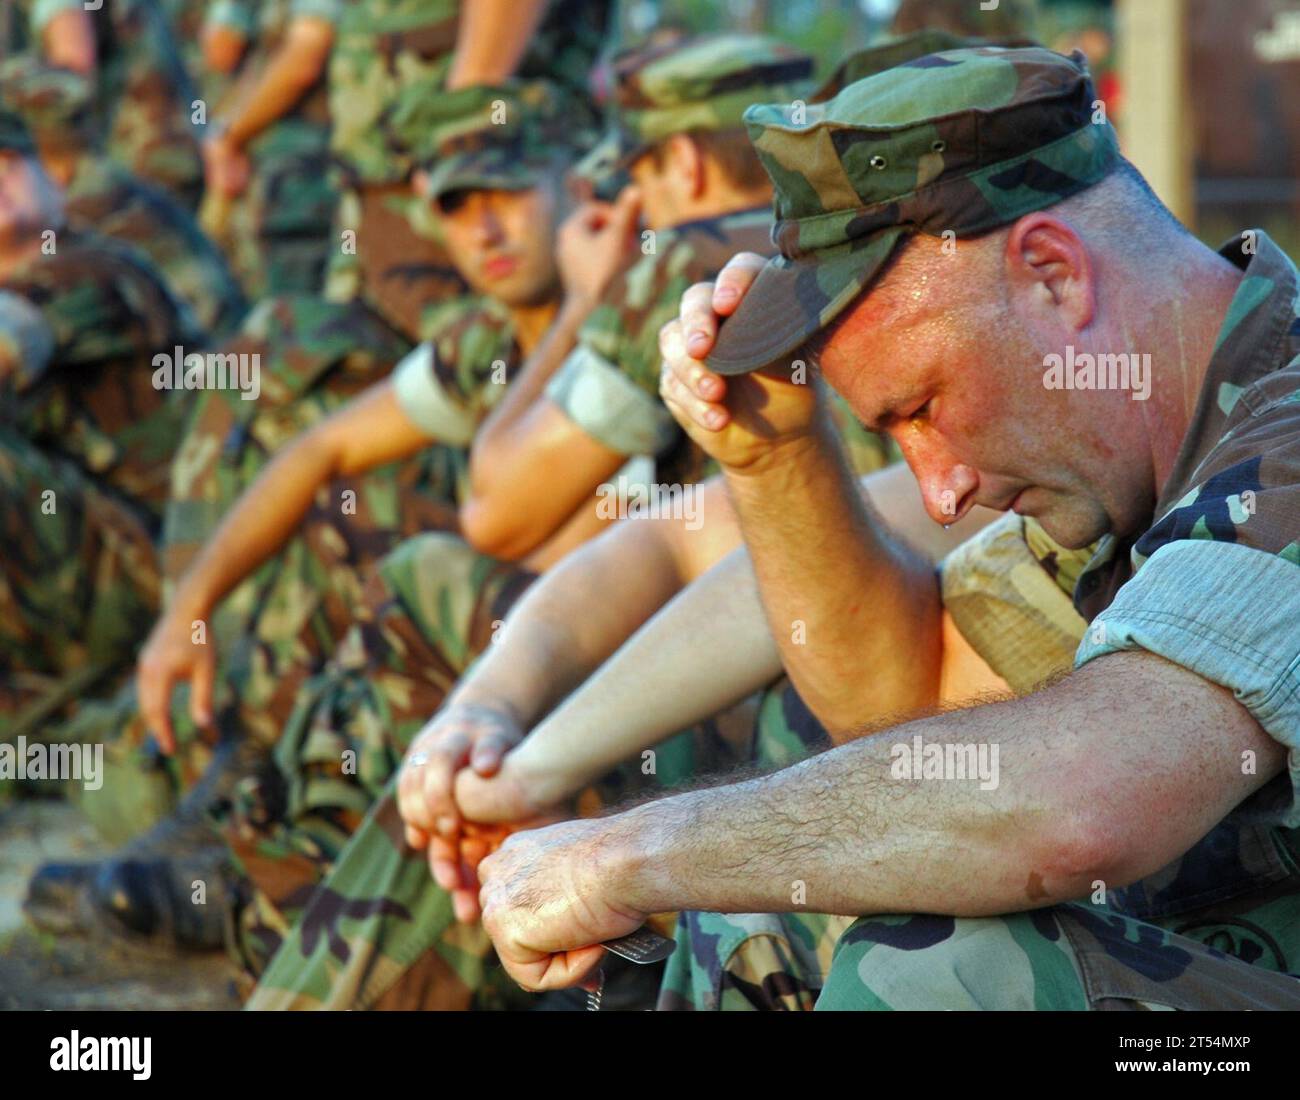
point(418, 760)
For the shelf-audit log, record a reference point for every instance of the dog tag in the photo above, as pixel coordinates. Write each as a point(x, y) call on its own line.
point(643, 946)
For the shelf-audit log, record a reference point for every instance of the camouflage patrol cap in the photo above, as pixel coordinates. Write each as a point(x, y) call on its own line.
point(14, 135)
point(1007, 17)
point(963, 140)
point(604, 165)
point(52, 101)
point(502, 137)
point(895, 50)
point(706, 83)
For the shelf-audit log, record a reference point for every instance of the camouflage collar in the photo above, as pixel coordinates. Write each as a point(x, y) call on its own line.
point(1260, 335)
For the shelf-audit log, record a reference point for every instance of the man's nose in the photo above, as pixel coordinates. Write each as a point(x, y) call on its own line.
point(489, 226)
point(947, 485)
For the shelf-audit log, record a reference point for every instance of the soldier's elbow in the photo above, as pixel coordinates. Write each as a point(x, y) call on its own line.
point(490, 530)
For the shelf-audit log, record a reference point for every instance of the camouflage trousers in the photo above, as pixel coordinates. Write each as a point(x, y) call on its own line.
point(1072, 957)
point(377, 932)
point(277, 233)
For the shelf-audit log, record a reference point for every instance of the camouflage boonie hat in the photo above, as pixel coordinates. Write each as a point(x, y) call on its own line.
point(14, 135)
point(705, 83)
point(498, 138)
point(50, 100)
point(964, 140)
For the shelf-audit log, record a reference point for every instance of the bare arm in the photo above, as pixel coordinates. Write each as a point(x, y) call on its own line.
point(850, 602)
point(554, 638)
point(1090, 787)
point(491, 40)
point(591, 603)
point(711, 644)
point(366, 433)
point(543, 470)
point(223, 47)
point(295, 67)
point(867, 602)
point(68, 41)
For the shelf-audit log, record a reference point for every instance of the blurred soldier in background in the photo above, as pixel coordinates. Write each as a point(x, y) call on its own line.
point(143, 96)
point(104, 197)
point(89, 441)
point(323, 511)
point(268, 199)
point(315, 353)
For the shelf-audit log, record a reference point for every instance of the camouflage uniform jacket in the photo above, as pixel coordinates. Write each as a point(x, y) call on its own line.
point(1214, 584)
point(387, 47)
point(110, 314)
point(144, 91)
point(266, 22)
point(609, 384)
point(106, 198)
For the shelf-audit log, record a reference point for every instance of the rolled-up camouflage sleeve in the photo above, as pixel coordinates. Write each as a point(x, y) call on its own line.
point(235, 14)
point(427, 405)
point(43, 11)
point(1218, 587)
point(609, 407)
point(328, 10)
point(449, 384)
point(609, 385)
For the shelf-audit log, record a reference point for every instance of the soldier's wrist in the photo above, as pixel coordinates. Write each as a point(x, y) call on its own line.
point(579, 304)
point(189, 604)
point(545, 786)
point(637, 849)
point(472, 697)
point(778, 461)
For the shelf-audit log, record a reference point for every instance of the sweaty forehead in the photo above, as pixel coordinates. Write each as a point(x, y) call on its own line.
point(879, 354)
point(866, 361)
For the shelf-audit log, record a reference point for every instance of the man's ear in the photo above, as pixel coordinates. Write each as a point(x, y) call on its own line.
point(1045, 256)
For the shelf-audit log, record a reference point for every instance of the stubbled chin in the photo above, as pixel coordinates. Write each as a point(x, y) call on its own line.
point(1068, 531)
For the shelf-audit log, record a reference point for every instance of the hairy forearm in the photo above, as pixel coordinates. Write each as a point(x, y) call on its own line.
point(709, 646)
point(852, 605)
point(1089, 787)
point(491, 40)
point(496, 457)
point(291, 72)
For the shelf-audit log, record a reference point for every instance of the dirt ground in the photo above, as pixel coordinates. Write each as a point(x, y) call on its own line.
point(41, 970)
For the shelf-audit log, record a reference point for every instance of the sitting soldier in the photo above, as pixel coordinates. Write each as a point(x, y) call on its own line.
point(1122, 855)
point(88, 439)
point(294, 546)
point(103, 196)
